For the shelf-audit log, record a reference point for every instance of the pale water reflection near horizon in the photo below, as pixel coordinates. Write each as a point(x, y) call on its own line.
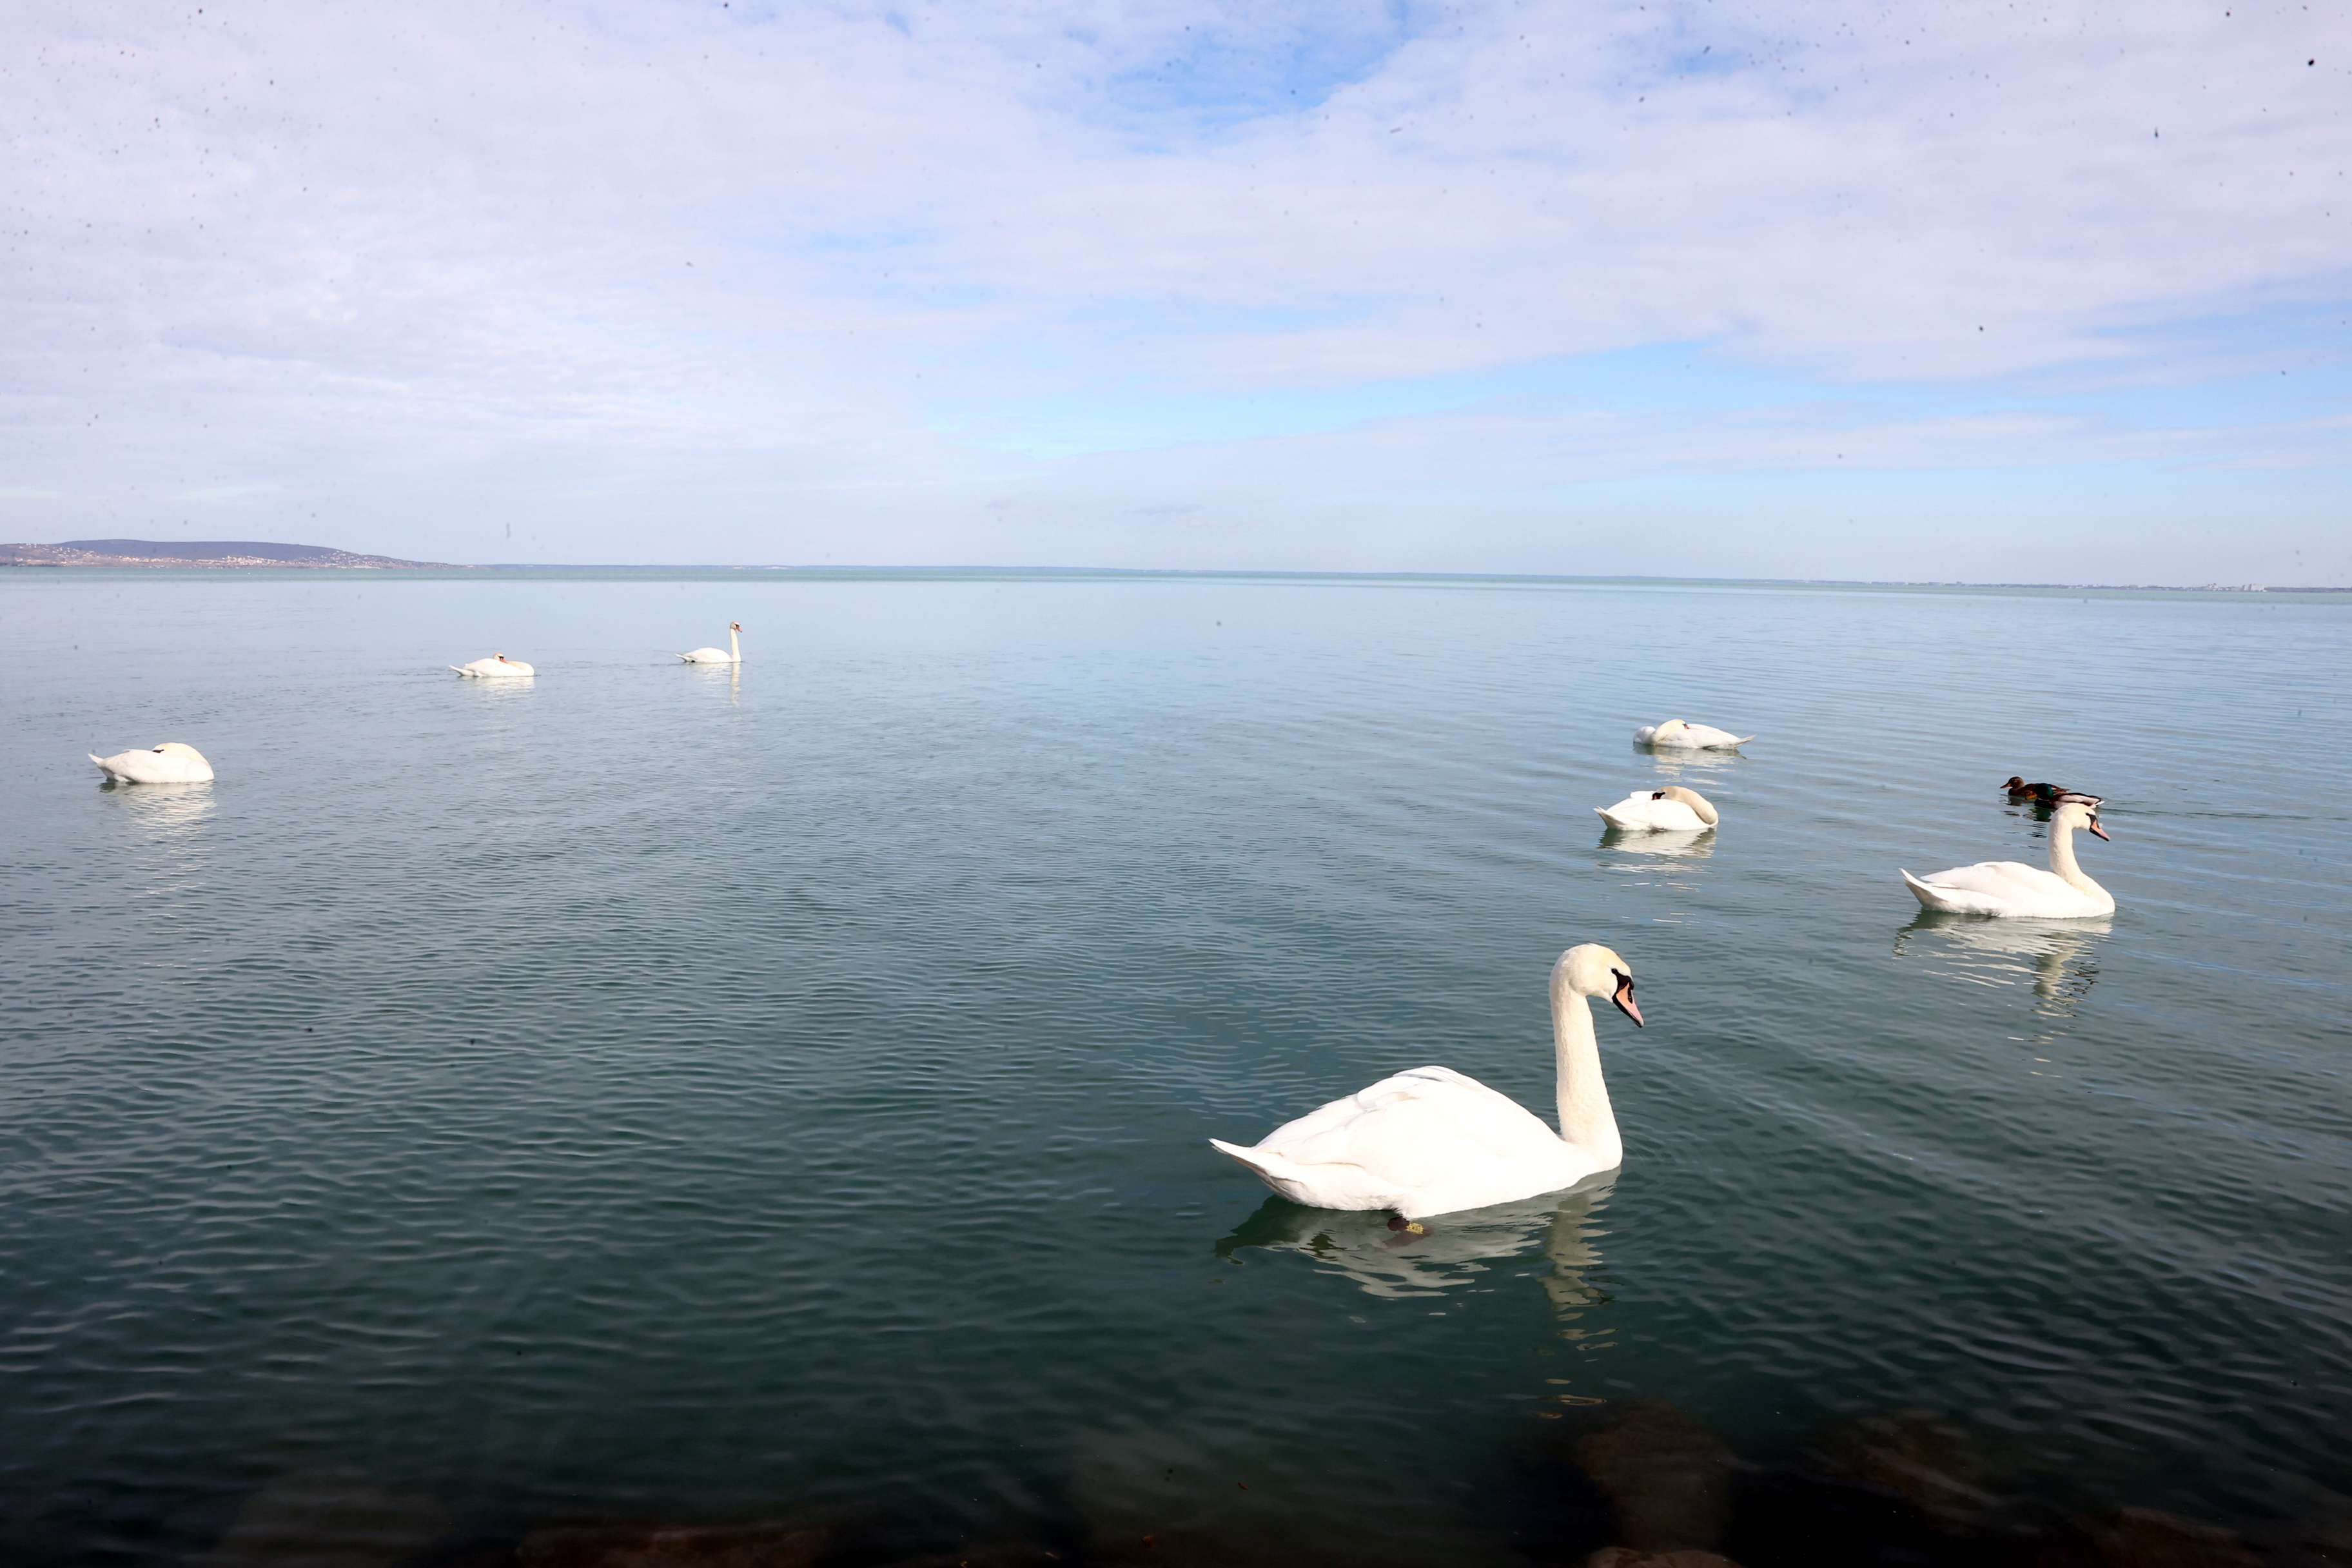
point(653, 1092)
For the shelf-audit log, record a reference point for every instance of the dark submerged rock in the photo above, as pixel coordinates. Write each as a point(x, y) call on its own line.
point(1668, 1477)
point(762, 1544)
point(328, 1519)
point(2150, 1538)
point(1923, 1457)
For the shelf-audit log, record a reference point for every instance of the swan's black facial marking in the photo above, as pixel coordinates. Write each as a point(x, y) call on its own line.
point(1659, 795)
point(1624, 998)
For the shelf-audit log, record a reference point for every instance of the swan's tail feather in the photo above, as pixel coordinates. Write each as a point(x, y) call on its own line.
point(1272, 1169)
point(1258, 1160)
point(1951, 901)
point(1743, 739)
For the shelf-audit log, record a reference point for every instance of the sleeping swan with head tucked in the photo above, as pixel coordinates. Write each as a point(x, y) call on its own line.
point(1677, 736)
point(1432, 1140)
point(174, 762)
point(1673, 809)
point(2016, 890)
point(494, 668)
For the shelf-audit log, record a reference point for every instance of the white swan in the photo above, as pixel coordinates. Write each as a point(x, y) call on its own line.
point(496, 665)
point(1676, 735)
point(174, 762)
point(731, 654)
point(2014, 889)
point(1673, 809)
point(1433, 1141)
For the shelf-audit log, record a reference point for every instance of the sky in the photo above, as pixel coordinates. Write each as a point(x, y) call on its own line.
point(1983, 290)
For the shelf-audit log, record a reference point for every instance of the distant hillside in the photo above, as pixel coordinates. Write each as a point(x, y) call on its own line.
point(188, 552)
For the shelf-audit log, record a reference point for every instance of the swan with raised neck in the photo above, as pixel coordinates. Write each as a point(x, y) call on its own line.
point(731, 654)
point(2012, 889)
point(1434, 1141)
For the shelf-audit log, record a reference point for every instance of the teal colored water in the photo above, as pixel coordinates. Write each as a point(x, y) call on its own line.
point(671, 1093)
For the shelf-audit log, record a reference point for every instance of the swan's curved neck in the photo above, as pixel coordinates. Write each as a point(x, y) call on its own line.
point(1586, 1119)
point(735, 644)
point(2062, 861)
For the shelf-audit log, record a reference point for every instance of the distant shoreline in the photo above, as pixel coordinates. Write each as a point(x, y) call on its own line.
point(230, 554)
point(236, 555)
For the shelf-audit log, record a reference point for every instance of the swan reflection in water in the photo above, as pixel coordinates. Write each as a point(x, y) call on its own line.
point(169, 811)
point(2058, 958)
point(1685, 844)
point(170, 824)
point(513, 688)
point(1384, 1256)
point(1681, 767)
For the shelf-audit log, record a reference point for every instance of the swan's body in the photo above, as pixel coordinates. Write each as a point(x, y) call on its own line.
point(1676, 735)
point(170, 763)
point(731, 654)
point(1432, 1140)
point(1673, 809)
point(493, 668)
point(2013, 890)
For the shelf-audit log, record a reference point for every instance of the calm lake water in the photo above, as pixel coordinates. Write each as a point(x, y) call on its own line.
point(671, 1093)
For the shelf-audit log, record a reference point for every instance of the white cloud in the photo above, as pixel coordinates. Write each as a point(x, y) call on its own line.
point(425, 267)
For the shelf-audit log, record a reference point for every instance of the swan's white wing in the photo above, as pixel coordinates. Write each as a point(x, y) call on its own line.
point(147, 767)
point(1415, 1128)
point(1708, 735)
point(1634, 811)
point(1639, 811)
point(2000, 880)
point(1953, 900)
point(2003, 888)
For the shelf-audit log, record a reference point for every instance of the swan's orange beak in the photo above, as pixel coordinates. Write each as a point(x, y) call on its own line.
point(1624, 999)
point(2099, 830)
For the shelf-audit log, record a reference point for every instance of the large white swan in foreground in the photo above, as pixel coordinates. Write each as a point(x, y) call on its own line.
point(2013, 889)
point(731, 654)
point(1433, 1141)
point(494, 667)
point(174, 762)
point(1673, 809)
point(1677, 736)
